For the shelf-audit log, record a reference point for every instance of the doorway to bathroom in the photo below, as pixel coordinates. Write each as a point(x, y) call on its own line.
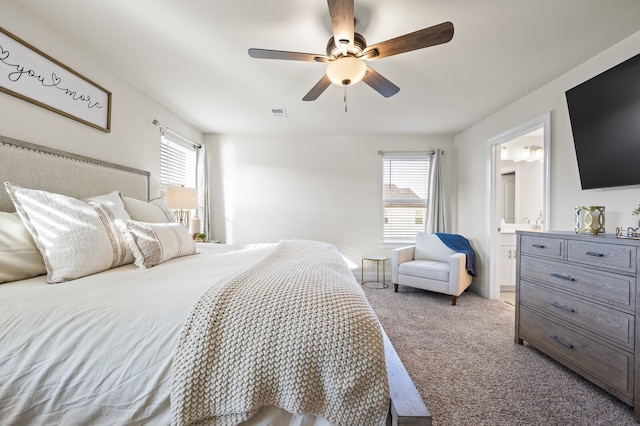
point(518, 198)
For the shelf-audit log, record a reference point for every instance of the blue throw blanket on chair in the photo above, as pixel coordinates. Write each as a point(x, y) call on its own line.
point(460, 244)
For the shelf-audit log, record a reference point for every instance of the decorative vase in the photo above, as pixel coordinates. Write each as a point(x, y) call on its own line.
point(590, 219)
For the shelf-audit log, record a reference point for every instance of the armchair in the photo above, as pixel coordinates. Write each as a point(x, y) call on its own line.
point(430, 265)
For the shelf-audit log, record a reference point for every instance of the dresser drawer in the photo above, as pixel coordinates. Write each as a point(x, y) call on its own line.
point(607, 367)
point(619, 257)
point(542, 246)
point(609, 324)
point(604, 287)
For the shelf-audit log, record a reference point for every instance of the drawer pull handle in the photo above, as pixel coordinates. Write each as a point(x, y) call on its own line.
point(563, 277)
point(561, 341)
point(561, 306)
point(595, 254)
point(539, 245)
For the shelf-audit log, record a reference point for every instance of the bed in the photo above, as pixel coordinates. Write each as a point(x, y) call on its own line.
point(170, 331)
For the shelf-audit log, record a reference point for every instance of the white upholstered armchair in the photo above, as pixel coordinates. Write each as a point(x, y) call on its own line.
point(430, 265)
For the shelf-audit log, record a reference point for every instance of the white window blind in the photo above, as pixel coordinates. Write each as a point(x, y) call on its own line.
point(405, 195)
point(177, 163)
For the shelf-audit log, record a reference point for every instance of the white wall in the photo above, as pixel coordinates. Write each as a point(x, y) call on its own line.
point(133, 140)
point(320, 187)
point(566, 193)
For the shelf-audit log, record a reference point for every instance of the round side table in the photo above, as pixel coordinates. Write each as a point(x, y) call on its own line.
point(378, 260)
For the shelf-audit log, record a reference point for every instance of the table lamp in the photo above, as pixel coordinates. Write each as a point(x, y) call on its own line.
point(182, 199)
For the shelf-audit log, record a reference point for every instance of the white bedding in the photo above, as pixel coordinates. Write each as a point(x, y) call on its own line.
point(101, 347)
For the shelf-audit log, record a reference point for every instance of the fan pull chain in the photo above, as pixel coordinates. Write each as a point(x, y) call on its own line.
point(345, 98)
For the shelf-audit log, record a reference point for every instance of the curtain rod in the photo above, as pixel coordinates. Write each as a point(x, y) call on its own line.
point(166, 129)
point(408, 152)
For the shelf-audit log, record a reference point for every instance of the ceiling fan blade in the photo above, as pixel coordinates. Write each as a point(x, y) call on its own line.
point(317, 90)
point(342, 20)
point(438, 34)
point(291, 56)
point(379, 83)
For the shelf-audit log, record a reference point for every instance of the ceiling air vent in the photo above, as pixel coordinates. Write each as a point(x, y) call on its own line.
point(279, 112)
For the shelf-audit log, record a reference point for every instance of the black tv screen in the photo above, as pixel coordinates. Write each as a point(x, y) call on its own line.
point(605, 121)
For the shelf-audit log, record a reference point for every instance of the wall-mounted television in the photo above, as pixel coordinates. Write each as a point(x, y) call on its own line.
point(605, 121)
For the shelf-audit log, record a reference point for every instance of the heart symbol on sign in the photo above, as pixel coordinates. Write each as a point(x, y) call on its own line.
point(56, 79)
point(4, 54)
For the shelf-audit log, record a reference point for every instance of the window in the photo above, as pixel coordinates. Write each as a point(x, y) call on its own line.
point(405, 195)
point(177, 163)
point(183, 162)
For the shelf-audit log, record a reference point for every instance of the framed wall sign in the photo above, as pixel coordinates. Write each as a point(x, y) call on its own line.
point(32, 75)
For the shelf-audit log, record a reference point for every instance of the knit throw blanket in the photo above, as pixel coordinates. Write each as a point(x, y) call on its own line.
point(294, 330)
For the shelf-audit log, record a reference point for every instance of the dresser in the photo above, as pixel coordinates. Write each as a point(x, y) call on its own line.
point(576, 302)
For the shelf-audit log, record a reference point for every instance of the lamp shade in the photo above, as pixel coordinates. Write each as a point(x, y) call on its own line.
point(180, 197)
point(346, 70)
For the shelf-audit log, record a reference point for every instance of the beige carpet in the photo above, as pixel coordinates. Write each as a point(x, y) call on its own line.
point(469, 371)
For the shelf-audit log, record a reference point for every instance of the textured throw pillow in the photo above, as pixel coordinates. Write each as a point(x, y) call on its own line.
point(155, 211)
point(154, 243)
point(19, 256)
point(75, 237)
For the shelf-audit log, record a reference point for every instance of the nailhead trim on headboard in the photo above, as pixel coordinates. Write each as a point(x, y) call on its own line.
point(40, 167)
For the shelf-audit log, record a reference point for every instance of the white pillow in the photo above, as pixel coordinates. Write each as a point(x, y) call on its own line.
point(112, 207)
point(161, 203)
point(76, 238)
point(154, 243)
point(19, 256)
point(155, 211)
point(430, 247)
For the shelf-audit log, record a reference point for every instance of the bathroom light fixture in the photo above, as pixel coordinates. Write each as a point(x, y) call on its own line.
point(528, 154)
point(539, 154)
point(504, 154)
point(535, 153)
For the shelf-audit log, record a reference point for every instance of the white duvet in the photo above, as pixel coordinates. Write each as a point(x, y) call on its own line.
point(98, 350)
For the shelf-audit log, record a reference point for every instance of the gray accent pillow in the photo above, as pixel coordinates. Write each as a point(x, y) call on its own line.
point(155, 243)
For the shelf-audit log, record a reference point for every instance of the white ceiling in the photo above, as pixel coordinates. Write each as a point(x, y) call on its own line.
point(191, 55)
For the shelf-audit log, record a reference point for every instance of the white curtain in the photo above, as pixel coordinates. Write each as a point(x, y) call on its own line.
point(437, 211)
point(202, 184)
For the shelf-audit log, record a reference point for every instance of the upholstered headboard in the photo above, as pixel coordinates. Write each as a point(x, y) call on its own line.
point(39, 167)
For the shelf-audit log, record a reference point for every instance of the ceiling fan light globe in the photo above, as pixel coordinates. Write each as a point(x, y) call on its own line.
point(346, 70)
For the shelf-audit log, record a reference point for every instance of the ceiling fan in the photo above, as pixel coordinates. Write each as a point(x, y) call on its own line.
point(347, 51)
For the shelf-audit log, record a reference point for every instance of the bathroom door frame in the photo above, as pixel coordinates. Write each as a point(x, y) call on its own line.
point(494, 192)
